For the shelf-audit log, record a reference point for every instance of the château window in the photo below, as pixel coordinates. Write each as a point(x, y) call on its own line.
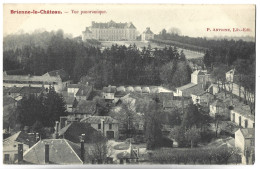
point(99, 126)
point(110, 126)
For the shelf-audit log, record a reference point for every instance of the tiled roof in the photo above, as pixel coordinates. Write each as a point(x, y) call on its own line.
point(248, 132)
point(199, 92)
point(69, 100)
point(87, 30)
point(97, 119)
point(31, 78)
point(120, 93)
point(27, 90)
point(61, 151)
point(148, 31)
point(112, 24)
point(21, 137)
point(187, 86)
point(73, 131)
point(85, 107)
point(84, 91)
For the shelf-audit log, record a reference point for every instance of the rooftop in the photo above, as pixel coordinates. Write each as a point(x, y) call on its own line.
point(148, 31)
point(73, 131)
point(21, 137)
point(61, 151)
point(187, 86)
point(85, 107)
point(113, 24)
point(62, 73)
point(97, 119)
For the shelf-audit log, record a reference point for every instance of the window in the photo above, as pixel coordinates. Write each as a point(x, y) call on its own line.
point(253, 125)
point(246, 123)
point(99, 126)
point(110, 126)
point(6, 157)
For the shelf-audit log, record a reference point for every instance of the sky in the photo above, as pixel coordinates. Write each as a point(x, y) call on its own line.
point(192, 20)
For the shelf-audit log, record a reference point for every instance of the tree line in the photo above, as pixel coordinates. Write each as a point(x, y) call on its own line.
point(117, 65)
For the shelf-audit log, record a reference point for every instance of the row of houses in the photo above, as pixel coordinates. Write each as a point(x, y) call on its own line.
point(57, 78)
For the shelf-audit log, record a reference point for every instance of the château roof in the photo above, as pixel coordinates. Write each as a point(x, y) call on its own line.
point(113, 24)
point(148, 31)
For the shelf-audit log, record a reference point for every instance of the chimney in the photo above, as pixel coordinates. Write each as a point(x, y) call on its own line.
point(20, 153)
point(102, 126)
point(82, 148)
point(47, 155)
point(56, 130)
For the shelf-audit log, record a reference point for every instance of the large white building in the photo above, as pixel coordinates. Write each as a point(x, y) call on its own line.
point(110, 31)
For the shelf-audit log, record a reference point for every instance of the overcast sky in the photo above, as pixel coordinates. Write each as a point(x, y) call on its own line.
point(192, 20)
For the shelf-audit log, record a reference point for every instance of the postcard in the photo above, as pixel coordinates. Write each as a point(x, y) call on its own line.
point(116, 84)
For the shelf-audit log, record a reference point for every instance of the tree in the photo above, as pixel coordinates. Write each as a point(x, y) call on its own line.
point(99, 148)
point(153, 126)
point(192, 135)
point(54, 108)
point(191, 117)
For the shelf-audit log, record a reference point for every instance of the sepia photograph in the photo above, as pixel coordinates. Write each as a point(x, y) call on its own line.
point(128, 84)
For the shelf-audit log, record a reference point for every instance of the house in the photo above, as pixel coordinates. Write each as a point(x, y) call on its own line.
point(73, 131)
point(108, 93)
point(25, 91)
point(106, 124)
point(201, 97)
point(187, 89)
point(200, 77)
point(62, 74)
point(84, 108)
point(10, 145)
point(245, 142)
point(230, 75)
point(218, 107)
point(69, 103)
point(110, 31)
point(79, 91)
point(242, 117)
point(147, 34)
point(33, 81)
point(54, 151)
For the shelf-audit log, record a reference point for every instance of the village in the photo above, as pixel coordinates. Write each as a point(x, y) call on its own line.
point(121, 128)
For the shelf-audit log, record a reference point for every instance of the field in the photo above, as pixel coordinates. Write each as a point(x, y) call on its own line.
point(140, 44)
